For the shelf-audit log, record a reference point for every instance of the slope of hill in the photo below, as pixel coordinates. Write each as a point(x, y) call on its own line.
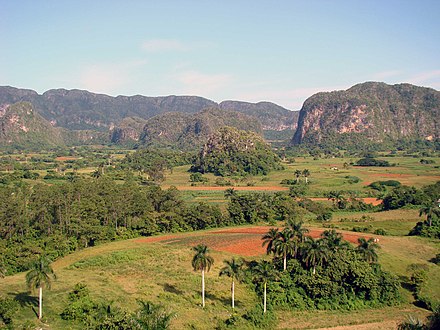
point(20, 125)
point(373, 111)
point(190, 131)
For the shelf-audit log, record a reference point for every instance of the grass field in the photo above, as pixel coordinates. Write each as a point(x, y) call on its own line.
point(159, 269)
point(323, 178)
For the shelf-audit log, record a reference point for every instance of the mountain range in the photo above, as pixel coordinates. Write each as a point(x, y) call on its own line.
point(370, 111)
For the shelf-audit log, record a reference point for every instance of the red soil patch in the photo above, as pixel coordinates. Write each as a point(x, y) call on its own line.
point(244, 241)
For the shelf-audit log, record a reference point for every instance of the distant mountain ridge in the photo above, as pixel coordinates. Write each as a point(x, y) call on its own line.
point(370, 111)
point(79, 109)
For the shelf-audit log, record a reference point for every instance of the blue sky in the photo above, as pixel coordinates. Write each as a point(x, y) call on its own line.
point(249, 50)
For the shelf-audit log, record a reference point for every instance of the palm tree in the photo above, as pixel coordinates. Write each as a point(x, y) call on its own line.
point(151, 316)
point(315, 253)
point(297, 175)
point(334, 240)
point(367, 249)
point(430, 211)
point(233, 269)
point(269, 238)
point(284, 245)
point(306, 174)
point(262, 273)
point(39, 276)
point(202, 261)
point(298, 234)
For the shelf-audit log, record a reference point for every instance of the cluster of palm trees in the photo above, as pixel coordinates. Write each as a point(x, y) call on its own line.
point(305, 173)
point(290, 242)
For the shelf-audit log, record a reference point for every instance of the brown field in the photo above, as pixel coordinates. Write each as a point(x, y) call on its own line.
point(241, 241)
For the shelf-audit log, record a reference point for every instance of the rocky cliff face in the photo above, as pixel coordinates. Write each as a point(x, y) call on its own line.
point(376, 111)
point(21, 125)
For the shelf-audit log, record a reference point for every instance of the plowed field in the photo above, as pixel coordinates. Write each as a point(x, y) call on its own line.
point(240, 241)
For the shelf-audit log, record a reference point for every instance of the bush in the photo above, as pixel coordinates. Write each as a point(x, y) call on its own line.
point(372, 162)
point(259, 319)
point(352, 179)
point(8, 307)
point(380, 231)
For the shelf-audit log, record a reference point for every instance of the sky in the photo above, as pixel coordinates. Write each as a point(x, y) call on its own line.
point(282, 51)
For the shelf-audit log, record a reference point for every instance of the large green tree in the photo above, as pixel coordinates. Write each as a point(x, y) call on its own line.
point(202, 262)
point(234, 269)
point(38, 277)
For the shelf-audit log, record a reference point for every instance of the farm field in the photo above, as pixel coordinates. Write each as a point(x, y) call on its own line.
point(159, 269)
point(323, 177)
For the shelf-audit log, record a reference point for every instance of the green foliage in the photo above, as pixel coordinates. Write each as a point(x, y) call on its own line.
point(411, 323)
point(115, 258)
point(372, 162)
point(260, 320)
point(381, 185)
point(59, 219)
point(345, 278)
point(151, 317)
point(403, 196)
point(233, 152)
point(197, 177)
point(8, 307)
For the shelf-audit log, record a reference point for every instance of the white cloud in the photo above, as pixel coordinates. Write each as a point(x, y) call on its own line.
point(381, 76)
point(428, 78)
point(202, 84)
point(108, 78)
point(163, 45)
point(290, 98)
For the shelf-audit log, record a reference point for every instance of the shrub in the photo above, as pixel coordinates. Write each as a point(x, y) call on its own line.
point(8, 307)
point(372, 162)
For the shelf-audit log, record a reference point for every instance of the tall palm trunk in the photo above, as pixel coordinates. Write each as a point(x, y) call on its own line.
point(264, 299)
point(233, 291)
point(40, 303)
point(314, 269)
point(285, 261)
point(203, 287)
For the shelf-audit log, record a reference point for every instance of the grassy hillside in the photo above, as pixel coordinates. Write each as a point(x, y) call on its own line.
point(161, 271)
